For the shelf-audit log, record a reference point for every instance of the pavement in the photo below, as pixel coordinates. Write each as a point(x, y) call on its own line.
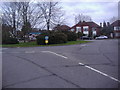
point(90, 65)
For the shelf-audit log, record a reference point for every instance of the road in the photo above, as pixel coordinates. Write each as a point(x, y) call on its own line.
point(90, 65)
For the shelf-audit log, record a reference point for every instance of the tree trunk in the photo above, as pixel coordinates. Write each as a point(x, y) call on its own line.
point(48, 26)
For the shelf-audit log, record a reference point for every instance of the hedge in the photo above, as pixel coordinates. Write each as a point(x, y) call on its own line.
point(71, 36)
point(54, 38)
point(9, 40)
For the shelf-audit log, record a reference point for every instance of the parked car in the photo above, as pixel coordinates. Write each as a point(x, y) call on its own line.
point(86, 37)
point(101, 37)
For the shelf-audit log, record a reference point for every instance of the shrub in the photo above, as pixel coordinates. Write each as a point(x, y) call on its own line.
point(7, 38)
point(54, 38)
point(40, 40)
point(58, 38)
point(79, 35)
point(71, 36)
point(10, 40)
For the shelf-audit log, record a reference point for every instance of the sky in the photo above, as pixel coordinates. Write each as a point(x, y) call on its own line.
point(98, 11)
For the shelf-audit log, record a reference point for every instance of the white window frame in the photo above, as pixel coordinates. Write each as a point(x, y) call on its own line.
point(85, 28)
point(94, 32)
point(94, 29)
point(78, 29)
point(116, 28)
point(72, 30)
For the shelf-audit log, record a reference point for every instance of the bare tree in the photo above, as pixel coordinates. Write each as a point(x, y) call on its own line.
point(81, 17)
point(113, 19)
point(10, 15)
point(42, 14)
point(35, 16)
point(52, 14)
point(17, 14)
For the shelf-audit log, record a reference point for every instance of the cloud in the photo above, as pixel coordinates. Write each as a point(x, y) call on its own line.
point(89, 0)
point(99, 11)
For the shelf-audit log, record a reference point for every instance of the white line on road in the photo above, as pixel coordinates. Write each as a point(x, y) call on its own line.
point(55, 54)
point(3, 48)
point(104, 74)
point(83, 45)
point(29, 51)
point(100, 72)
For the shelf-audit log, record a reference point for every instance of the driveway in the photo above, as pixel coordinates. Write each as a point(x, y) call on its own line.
point(90, 65)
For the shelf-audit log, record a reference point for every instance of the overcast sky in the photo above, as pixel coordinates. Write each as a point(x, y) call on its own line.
point(98, 11)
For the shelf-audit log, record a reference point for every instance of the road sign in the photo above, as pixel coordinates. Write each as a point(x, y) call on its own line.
point(46, 41)
point(46, 37)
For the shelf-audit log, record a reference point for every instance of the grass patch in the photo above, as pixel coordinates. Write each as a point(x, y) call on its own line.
point(33, 44)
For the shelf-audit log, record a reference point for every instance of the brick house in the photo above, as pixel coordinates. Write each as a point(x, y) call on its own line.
point(116, 28)
point(87, 28)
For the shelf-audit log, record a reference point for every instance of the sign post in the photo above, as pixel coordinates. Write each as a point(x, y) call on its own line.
point(46, 39)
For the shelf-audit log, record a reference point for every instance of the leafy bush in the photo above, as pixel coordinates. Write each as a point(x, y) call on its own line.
point(7, 37)
point(54, 38)
point(57, 38)
point(10, 40)
point(40, 40)
point(71, 36)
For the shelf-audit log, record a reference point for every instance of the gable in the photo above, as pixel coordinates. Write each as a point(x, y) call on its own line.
point(90, 24)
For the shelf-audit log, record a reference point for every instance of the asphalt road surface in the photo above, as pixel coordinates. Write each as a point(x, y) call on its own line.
point(90, 65)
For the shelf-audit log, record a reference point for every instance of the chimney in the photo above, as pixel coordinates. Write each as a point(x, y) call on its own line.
point(108, 24)
point(100, 24)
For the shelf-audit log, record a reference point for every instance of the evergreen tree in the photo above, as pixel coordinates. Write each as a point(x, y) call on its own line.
point(26, 29)
point(107, 29)
point(104, 24)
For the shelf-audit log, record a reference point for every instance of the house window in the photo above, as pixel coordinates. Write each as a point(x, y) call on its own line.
point(85, 28)
point(78, 29)
point(116, 28)
point(94, 31)
point(72, 30)
point(117, 34)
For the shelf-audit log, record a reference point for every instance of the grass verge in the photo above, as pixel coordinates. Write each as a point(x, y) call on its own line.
point(33, 44)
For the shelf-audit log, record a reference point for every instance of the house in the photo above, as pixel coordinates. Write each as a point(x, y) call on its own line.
point(116, 27)
point(61, 27)
point(87, 28)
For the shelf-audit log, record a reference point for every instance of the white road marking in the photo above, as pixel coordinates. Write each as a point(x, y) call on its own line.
point(55, 54)
point(13, 52)
point(9, 52)
point(104, 74)
point(29, 51)
point(83, 45)
point(3, 48)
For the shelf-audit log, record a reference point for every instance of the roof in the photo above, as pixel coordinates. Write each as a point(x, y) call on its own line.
point(116, 23)
point(61, 27)
point(91, 24)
